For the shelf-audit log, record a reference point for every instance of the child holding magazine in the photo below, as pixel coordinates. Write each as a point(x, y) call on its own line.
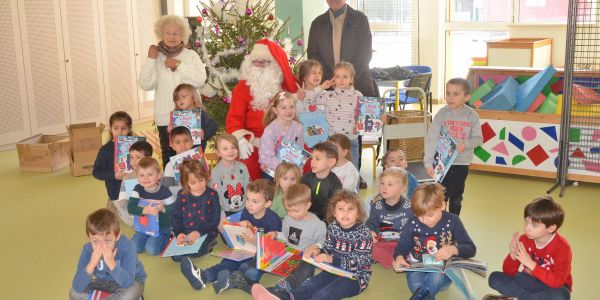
point(181, 141)
point(286, 175)
point(137, 151)
point(280, 122)
point(433, 234)
point(186, 97)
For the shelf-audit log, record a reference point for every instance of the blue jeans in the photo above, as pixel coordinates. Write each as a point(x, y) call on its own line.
point(152, 245)
point(229, 265)
point(354, 150)
point(434, 282)
point(327, 286)
point(526, 287)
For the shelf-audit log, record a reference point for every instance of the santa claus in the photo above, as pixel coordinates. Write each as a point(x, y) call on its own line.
point(264, 72)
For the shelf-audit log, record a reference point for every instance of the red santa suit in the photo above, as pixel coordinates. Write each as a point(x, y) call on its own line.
point(243, 119)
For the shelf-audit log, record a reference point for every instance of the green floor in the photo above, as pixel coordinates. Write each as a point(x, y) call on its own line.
point(43, 225)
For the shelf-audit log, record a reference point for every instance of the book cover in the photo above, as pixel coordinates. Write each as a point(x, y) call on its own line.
point(316, 128)
point(329, 268)
point(147, 224)
point(129, 185)
point(172, 249)
point(369, 116)
point(444, 156)
point(122, 158)
point(98, 295)
point(239, 248)
point(291, 152)
point(194, 154)
point(191, 120)
point(276, 257)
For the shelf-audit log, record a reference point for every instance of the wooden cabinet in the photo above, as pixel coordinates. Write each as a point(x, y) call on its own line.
point(520, 52)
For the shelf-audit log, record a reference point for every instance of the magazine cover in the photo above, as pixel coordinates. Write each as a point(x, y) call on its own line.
point(240, 248)
point(147, 224)
point(276, 257)
point(329, 268)
point(195, 154)
point(444, 156)
point(173, 249)
point(369, 113)
point(316, 128)
point(189, 119)
point(122, 159)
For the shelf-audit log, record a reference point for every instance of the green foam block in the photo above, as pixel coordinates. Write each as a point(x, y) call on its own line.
point(574, 135)
point(517, 159)
point(481, 91)
point(482, 153)
point(549, 105)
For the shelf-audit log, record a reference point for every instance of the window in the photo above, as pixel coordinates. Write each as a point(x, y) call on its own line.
point(481, 10)
point(462, 46)
point(543, 10)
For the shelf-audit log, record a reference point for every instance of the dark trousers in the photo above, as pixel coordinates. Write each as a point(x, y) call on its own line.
point(166, 150)
point(327, 286)
point(303, 272)
point(454, 182)
point(526, 287)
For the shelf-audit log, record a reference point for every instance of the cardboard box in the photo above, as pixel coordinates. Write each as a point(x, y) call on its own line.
point(86, 140)
point(43, 153)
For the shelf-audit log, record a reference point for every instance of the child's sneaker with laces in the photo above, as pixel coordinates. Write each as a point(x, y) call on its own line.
point(240, 281)
point(222, 284)
point(193, 274)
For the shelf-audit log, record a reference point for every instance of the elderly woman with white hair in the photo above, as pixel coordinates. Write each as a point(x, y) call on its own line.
point(169, 64)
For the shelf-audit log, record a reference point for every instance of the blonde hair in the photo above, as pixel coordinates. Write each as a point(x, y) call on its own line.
point(283, 168)
point(189, 167)
point(102, 221)
point(344, 142)
point(227, 137)
point(427, 196)
point(149, 162)
point(263, 187)
point(193, 92)
point(173, 19)
point(348, 197)
point(297, 194)
point(397, 173)
point(347, 66)
point(278, 98)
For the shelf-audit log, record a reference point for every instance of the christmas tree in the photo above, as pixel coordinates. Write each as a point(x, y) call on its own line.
point(222, 35)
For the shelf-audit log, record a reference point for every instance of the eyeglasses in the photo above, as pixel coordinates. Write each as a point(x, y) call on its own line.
point(261, 63)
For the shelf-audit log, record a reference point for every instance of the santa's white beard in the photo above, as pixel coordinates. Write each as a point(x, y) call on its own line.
point(263, 82)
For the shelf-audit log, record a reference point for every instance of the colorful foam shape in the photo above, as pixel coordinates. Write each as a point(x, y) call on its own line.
point(528, 91)
point(500, 160)
point(528, 133)
point(487, 131)
point(537, 102)
point(501, 148)
point(502, 97)
point(481, 91)
point(516, 141)
point(585, 95)
point(558, 86)
point(482, 153)
point(548, 87)
point(596, 135)
point(595, 150)
point(591, 166)
point(537, 155)
point(559, 104)
point(522, 78)
point(549, 105)
point(477, 103)
point(550, 131)
point(494, 77)
point(518, 159)
point(578, 153)
point(503, 134)
point(574, 135)
point(554, 150)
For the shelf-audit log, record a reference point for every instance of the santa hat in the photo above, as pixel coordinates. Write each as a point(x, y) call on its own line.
point(271, 50)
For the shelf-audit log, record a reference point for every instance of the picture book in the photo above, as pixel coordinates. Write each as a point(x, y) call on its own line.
point(173, 249)
point(329, 268)
point(291, 152)
point(129, 185)
point(98, 295)
point(189, 119)
point(454, 268)
point(235, 217)
point(147, 224)
point(316, 128)
point(195, 154)
point(444, 156)
point(369, 116)
point(239, 248)
point(276, 257)
point(122, 158)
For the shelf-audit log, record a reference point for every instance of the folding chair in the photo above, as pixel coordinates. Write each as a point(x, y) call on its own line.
point(409, 94)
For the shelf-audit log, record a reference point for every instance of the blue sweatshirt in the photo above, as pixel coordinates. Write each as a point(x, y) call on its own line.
point(389, 218)
point(104, 169)
point(209, 126)
point(128, 267)
point(268, 223)
point(196, 213)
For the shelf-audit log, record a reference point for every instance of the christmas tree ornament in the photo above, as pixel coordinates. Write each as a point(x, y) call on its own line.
point(199, 19)
point(248, 11)
point(271, 17)
point(205, 12)
point(242, 40)
point(299, 42)
point(197, 43)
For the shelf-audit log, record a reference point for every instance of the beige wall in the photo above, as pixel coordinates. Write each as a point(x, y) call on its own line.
point(557, 32)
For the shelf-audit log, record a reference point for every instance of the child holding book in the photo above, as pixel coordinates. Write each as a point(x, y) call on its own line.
point(104, 167)
point(196, 211)
point(389, 215)
point(542, 254)
point(300, 229)
point(229, 177)
point(432, 234)
point(462, 122)
point(347, 246)
point(109, 262)
point(186, 97)
point(344, 169)
point(256, 214)
point(280, 122)
point(286, 175)
point(310, 74)
point(322, 182)
point(181, 141)
point(137, 151)
point(162, 201)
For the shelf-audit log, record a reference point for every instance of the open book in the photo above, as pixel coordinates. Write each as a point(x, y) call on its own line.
point(191, 120)
point(172, 249)
point(239, 248)
point(444, 156)
point(329, 268)
point(122, 158)
point(147, 224)
point(453, 268)
point(276, 257)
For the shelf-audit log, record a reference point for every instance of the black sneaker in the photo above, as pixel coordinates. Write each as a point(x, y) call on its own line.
point(362, 183)
point(240, 281)
point(222, 284)
point(282, 286)
point(193, 274)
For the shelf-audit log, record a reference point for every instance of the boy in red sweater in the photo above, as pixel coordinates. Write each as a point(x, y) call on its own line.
point(544, 254)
